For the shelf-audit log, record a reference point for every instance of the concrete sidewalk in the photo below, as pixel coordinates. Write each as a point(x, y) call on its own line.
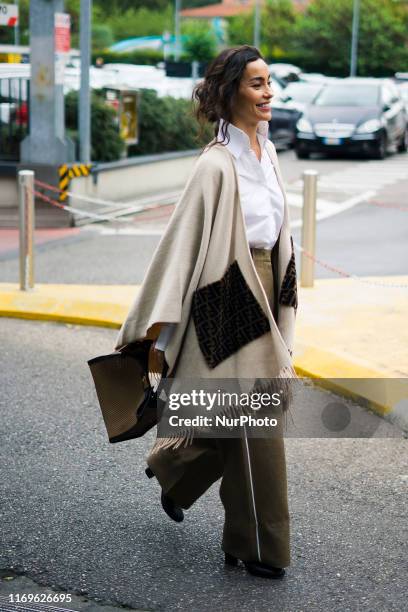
point(9, 238)
point(347, 331)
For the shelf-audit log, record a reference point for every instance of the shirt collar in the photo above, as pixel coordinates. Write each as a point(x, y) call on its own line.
point(239, 140)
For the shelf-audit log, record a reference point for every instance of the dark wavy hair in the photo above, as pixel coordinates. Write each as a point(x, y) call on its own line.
point(214, 95)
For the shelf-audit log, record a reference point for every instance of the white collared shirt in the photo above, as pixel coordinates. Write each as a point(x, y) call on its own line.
point(261, 197)
point(260, 194)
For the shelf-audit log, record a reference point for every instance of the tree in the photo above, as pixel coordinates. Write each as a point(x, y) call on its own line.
point(140, 22)
point(278, 22)
point(200, 44)
point(197, 3)
point(115, 7)
point(323, 37)
point(277, 25)
point(101, 37)
point(241, 30)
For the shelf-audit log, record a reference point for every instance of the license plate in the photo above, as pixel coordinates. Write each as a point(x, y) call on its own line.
point(332, 141)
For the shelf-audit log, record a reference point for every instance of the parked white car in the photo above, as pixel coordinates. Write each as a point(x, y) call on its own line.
point(124, 75)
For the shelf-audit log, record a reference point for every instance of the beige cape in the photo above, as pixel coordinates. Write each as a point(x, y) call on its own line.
point(202, 277)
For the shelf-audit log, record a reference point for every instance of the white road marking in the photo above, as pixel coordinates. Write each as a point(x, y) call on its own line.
point(337, 208)
point(353, 183)
point(361, 175)
point(296, 200)
point(358, 183)
point(124, 231)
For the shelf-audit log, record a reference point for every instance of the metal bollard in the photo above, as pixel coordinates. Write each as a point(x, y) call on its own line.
point(26, 225)
point(308, 227)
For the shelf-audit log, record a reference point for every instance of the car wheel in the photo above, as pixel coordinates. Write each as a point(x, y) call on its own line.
point(403, 144)
point(302, 154)
point(381, 150)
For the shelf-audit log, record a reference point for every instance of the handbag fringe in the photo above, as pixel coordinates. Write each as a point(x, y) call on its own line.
point(282, 382)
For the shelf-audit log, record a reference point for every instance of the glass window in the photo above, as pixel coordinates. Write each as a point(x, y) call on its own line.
point(348, 95)
point(302, 92)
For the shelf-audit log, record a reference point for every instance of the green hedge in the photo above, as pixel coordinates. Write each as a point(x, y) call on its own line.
point(106, 142)
point(167, 124)
point(147, 57)
point(10, 140)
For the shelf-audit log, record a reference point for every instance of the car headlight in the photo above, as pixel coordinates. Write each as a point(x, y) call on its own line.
point(372, 125)
point(304, 125)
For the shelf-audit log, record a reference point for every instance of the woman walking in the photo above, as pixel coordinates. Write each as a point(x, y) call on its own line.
point(219, 301)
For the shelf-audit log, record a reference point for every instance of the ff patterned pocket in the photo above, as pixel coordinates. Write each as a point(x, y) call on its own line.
point(227, 316)
point(288, 292)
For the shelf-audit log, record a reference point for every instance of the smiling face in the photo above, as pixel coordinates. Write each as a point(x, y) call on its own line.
point(252, 100)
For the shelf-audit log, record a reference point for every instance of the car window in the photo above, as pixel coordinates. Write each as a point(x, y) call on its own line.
point(348, 95)
point(276, 87)
point(302, 92)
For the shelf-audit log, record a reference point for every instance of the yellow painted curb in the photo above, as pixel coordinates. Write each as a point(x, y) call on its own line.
point(99, 305)
point(108, 305)
point(385, 395)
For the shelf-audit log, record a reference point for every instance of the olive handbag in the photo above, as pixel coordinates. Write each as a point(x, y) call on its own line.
point(127, 399)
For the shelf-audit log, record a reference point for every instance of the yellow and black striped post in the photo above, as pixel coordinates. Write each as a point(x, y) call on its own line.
point(66, 173)
point(63, 182)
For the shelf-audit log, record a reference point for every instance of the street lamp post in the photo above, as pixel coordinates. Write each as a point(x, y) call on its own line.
point(257, 23)
point(84, 107)
point(354, 38)
point(177, 50)
point(17, 27)
point(46, 142)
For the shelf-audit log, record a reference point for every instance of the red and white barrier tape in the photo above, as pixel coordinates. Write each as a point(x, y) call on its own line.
point(338, 271)
point(97, 217)
point(347, 274)
point(45, 198)
point(142, 203)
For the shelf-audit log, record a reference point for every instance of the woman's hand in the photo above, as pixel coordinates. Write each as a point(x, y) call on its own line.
point(156, 365)
point(156, 359)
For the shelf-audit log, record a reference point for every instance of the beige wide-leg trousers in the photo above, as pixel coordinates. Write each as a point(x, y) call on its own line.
point(253, 487)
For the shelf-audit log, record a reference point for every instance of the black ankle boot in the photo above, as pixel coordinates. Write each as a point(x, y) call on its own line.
point(171, 509)
point(174, 512)
point(256, 568)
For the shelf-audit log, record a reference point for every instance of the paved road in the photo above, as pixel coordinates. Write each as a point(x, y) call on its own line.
point(364, 240)
point(369, 238)
point(78, 514)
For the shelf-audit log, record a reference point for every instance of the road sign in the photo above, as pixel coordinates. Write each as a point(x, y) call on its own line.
point(62, 26)
point(62, 32)
point(8, 15)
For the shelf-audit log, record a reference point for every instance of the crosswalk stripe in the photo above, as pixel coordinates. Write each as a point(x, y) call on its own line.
point(296, 200)
point(372, 175)
point(342, 189)
point(325, 214)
